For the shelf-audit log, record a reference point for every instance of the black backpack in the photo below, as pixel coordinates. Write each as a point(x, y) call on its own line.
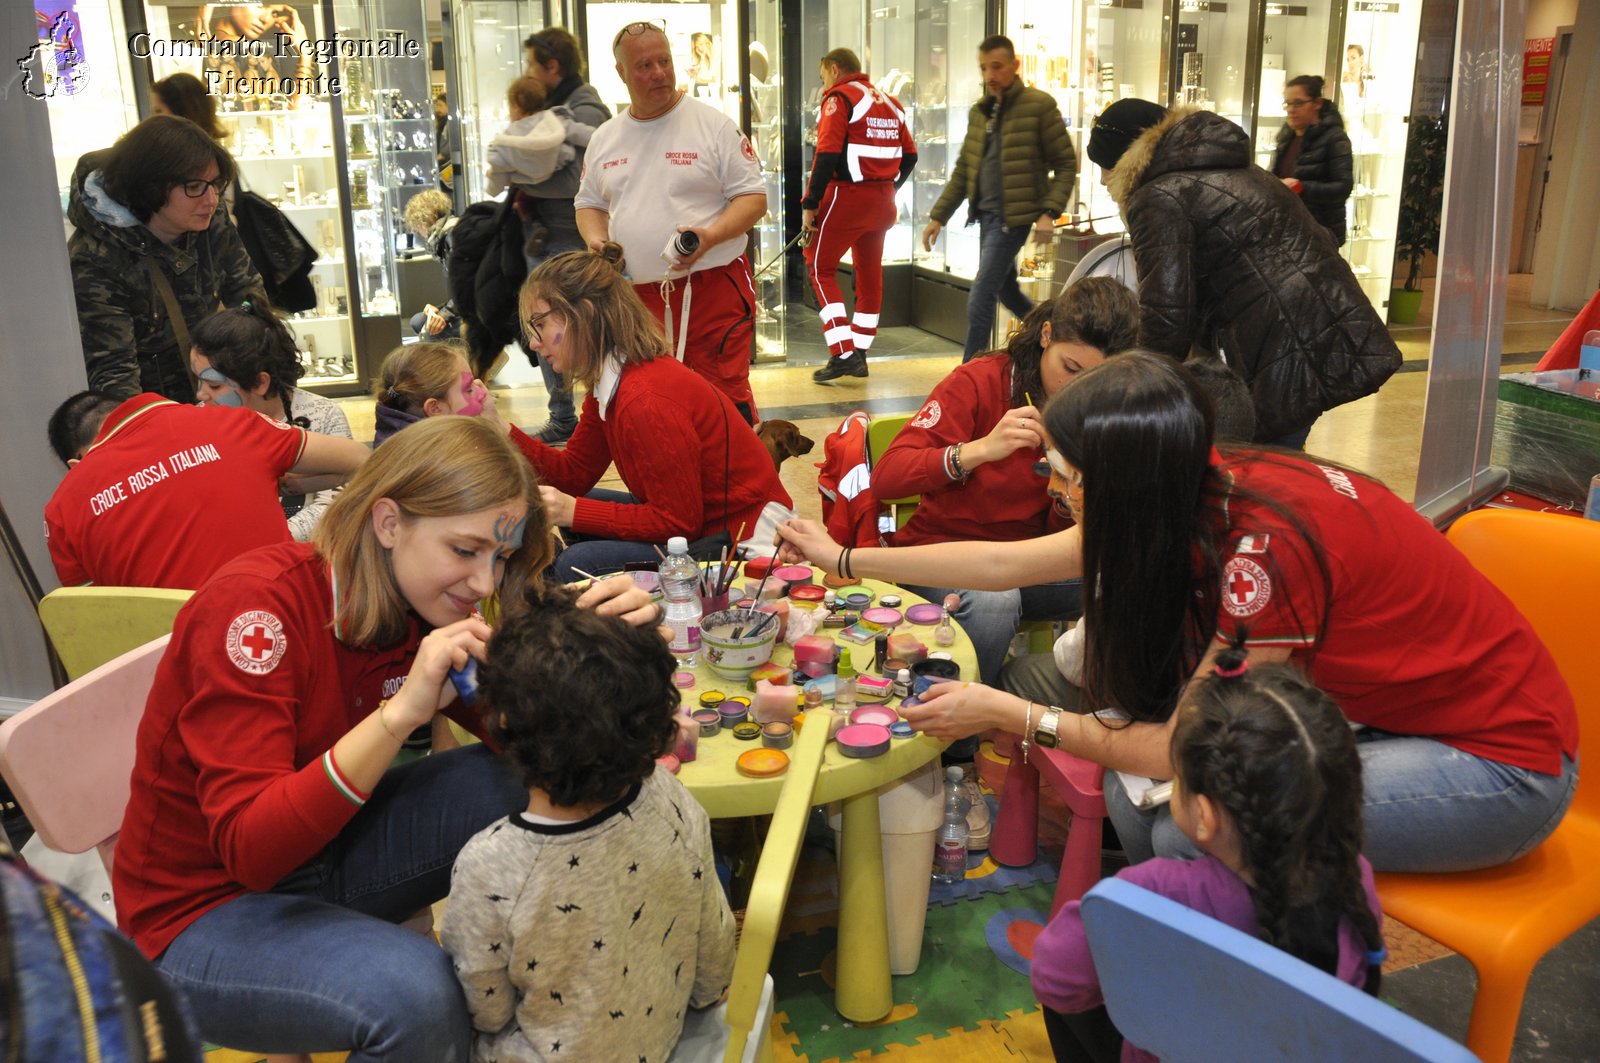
point(486, 270)
point(282, 255)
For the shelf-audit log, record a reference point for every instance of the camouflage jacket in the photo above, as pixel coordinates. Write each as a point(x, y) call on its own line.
point(129, 346)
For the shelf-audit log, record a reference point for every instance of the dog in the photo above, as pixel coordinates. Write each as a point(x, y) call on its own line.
point(783, 440)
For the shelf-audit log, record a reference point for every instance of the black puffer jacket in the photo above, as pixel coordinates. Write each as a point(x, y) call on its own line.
point(1323, 168)
point(1230, 260)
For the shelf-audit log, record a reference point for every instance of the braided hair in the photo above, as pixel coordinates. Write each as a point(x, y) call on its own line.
point(1277, 754)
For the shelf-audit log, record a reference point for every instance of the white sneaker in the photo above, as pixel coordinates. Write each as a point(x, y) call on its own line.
point(978, 817)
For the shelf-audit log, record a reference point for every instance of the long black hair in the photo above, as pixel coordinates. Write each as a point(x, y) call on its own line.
point(243, 343)
point(1139, 428)
point(1277, 754)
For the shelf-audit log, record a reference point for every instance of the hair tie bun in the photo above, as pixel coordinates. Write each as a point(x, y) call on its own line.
point(245, 305)
point(1376, 957)
point(1233, 671)
point(392, 393)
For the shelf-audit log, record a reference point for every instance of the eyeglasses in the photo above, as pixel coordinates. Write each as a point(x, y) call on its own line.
point(532, 325)
point(1294, 105)
point(197, 188)
point(633, 29)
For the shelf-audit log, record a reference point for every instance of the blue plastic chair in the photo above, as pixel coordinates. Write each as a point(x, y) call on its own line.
point(1186, 987)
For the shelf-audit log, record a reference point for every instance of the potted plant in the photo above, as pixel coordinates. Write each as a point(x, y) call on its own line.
point(1421, 204)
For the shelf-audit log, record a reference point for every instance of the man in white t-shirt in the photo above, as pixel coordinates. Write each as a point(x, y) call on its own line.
point(670, 165)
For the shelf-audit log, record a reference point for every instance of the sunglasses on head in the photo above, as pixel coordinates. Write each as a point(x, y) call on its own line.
point(633, 29)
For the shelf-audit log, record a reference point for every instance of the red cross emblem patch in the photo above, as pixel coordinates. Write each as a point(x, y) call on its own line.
point(929, 416)
point(255, 642)
point(1246, 587)
point(748, 148)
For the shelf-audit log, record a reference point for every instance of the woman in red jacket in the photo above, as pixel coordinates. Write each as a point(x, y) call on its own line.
point(691, 464)
point(970, 453)
point(269, 850)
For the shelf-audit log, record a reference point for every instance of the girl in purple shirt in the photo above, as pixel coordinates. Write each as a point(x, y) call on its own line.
point(1268, 787)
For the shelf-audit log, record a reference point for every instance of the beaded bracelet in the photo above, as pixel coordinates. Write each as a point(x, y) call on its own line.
point(949, 469)
point(955, 459)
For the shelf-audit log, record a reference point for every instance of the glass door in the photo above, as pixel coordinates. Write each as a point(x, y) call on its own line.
point(948, 83)
point(1294, 42)
point(484, 38)
point(1375, 85)
point(705, 48)
point(765, 21)
point(1212, 56)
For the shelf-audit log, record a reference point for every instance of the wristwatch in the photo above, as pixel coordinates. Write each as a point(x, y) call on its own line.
point(1045, 734)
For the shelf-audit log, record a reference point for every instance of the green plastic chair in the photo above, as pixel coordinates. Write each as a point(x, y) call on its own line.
point(880, 433)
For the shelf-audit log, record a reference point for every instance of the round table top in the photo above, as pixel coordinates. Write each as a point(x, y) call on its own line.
point(719, 787)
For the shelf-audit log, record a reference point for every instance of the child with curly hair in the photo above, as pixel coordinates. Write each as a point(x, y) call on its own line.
point(588, 923)
point(1268, 787)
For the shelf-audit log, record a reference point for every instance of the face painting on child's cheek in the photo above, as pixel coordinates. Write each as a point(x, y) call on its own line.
point(473, 393)
point(508, 533)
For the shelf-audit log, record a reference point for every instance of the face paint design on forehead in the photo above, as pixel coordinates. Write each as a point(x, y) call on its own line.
point(1058, 463)
point(473, 393)
point(508, 533)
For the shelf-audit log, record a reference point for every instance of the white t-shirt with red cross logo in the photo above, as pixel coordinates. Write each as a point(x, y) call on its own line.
point(680, 169)
point(1413, 639)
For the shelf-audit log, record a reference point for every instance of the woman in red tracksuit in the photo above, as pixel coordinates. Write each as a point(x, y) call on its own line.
point(691, 464)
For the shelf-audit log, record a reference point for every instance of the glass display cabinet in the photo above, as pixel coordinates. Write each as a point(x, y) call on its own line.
point(767, 128)
point(484, 41)
point(1294, 41)
point(1378, 61)
point(333, 163)
point(947, 84)
point(1212, 57)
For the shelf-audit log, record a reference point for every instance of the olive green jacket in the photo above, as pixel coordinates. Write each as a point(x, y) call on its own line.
point(1037, 162)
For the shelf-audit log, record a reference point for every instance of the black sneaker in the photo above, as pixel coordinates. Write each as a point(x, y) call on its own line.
point(850, 365)
point(555, 432)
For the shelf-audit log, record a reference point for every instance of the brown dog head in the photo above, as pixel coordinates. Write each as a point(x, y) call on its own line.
point(783, 440)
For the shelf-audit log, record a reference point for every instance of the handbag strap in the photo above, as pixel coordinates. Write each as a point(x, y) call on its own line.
point(180, 327)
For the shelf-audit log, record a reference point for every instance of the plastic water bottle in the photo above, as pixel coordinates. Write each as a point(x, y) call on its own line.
point(1589, 353)
point(950, 851)
point(680, 587)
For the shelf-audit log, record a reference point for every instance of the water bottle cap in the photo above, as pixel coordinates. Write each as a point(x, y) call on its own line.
point(954, 773)
point(677, 545)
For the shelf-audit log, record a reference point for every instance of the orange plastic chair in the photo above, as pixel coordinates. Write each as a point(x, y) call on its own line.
point(1504, 919)
point(1078, 783)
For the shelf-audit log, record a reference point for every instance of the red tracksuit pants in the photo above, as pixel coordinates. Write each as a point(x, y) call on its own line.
point(853, 218)
point(713, 331)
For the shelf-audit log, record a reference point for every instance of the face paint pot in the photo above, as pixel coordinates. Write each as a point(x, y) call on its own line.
point(710, 721)
point(777, 735)
point(875, 714)
point(863, 740)
point(762, 763)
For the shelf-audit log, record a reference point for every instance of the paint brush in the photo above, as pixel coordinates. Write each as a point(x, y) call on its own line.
point(657, 549)
point(751, 608)
point(590, 576)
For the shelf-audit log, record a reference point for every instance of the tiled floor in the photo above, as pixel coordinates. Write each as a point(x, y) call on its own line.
point(1379, 435)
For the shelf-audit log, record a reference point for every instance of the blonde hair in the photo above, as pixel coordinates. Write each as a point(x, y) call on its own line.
point(416, 372)
point(442, 467)
point(604, 315)
point(424, 210)
point(527, 94)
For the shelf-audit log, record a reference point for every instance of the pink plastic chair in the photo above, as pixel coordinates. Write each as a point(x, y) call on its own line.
point(1016, 831)
point(69, 756)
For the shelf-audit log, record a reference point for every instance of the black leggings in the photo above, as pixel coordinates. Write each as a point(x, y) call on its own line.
point(1083, 1037)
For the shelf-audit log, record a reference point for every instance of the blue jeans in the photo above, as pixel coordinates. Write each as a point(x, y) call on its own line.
point(996, 280)
point(317, 965)
point(600, 557)
point(557, 216)
point(1427, 807)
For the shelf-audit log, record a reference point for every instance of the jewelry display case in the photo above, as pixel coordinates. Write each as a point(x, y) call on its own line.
point(1375, 86)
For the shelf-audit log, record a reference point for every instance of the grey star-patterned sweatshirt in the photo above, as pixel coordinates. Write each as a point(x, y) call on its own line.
point(588, 941)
